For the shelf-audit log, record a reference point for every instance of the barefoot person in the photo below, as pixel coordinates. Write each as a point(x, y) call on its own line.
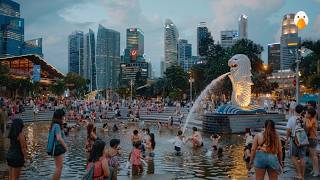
point(311, 128)
point(266, 155)
point(215, 141)
point(17, 152)
point(196, 138)
point(178, 143)
point(56, 145)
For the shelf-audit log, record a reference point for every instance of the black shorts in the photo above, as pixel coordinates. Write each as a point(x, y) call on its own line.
point(178, 149)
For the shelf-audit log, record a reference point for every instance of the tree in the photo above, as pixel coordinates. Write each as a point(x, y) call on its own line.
point(57, 88)
point(314, 46)
point(76, 84)
point(176, 78)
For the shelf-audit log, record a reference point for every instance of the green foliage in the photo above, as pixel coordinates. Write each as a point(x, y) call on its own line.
point(123, 92)
point(176, 94)
point(57, 88)
point(76, 84)
point(176, 78)
point(310, 66)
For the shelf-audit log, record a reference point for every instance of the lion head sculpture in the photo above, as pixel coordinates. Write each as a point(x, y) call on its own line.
point(240, 76)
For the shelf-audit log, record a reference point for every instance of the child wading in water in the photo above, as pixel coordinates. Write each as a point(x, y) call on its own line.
point(135, 157)
point(215, 141)
point(178, 143)
point(196, 138)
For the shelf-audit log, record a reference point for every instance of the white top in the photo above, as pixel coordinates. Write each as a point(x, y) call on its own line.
point(291, 124)
point(292, 105)
point(249, 139)
point(178, 142)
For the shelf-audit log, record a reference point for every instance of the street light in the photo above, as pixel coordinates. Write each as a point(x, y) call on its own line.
point(131, 84)
point(191, 80)
point(265, 67)
point(299, 51)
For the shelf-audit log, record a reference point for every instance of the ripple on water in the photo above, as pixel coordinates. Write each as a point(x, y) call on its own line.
point(193, 164)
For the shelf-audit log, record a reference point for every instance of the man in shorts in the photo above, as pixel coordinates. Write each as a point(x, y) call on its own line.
point(297, 153)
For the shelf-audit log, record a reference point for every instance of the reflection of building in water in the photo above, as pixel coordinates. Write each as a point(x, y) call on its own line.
point(285, 80)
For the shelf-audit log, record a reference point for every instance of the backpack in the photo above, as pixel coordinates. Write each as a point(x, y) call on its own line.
point(89, 173)
point(300, 137)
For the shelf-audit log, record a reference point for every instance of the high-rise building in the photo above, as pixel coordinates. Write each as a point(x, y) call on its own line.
point(75, 52)
point(184, 54)
point(274, 56)
point(202, 34)
point(171, 36)
point(289, 42)
point(162, 68)
point(228, 38)
point(107, 58)
point(11, 29)
point(243, 26)
point(135, 44)
point(90, 59)
point(33, 46)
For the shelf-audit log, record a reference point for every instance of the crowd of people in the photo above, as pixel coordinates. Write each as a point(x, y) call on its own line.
point(264, 151)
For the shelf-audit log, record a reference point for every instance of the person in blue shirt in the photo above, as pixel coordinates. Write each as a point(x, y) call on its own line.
point(56, 144)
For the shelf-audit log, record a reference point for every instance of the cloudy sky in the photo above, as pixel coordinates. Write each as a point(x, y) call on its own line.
point(54, 20)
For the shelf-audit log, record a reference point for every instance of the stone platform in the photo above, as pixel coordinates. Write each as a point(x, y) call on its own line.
point(235, 123)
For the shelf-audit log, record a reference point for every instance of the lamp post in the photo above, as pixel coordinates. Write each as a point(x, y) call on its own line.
point(297, 76)
point(191, 80)
point(131, 84)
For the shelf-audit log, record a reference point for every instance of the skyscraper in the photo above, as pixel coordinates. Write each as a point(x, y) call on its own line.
point(162, 68)
point(75, 52)
point(135, 44)
point(289, 42)
point(274, 56)
point(243, 26)
point(228, 38)
point(11, 29)
point(202, 34)
point(184, 54)
point(90, 59)
point(107, 58)
point(171, 36)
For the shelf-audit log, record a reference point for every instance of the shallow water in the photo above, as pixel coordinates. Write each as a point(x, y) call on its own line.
point(194, 163)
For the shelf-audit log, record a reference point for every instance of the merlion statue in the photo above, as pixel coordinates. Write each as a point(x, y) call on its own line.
point(240, 76)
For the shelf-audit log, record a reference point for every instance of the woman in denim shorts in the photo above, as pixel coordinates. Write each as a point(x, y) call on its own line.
point(311, 128)
point(267, 153)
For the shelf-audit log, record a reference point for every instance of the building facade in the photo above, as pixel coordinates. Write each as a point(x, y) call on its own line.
point(75, 53)
point(184, 54)
point(284, 79)
point(162, 68)
point(11, 29)
point(90, 59)
point(129, 71)
point(274, 56)
point(228, 38)
point(33, 46)
point(107, 58)
point(243, 26)
point(135, 45)
point(289, 42)
point(171, 36)
point(202, 34)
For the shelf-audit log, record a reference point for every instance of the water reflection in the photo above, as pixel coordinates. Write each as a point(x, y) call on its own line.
point(194, 163)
